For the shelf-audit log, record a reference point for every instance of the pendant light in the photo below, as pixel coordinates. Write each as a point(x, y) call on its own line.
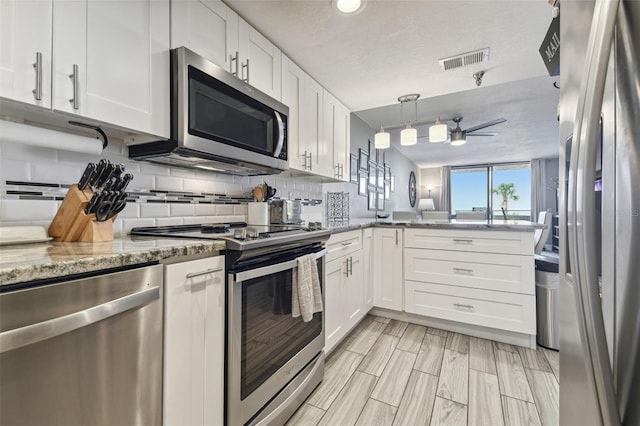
point(382, 139)
point(408, 136)
point(439, 132)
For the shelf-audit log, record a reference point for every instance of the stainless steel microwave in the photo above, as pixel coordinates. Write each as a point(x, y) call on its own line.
point(219, 122)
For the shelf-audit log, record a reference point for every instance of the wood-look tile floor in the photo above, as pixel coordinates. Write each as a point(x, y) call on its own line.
point(388, 372)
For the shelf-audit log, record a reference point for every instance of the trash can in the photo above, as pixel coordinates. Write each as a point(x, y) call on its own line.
point(547, 296)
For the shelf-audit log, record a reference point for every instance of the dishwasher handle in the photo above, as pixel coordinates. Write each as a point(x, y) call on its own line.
point(27, 335)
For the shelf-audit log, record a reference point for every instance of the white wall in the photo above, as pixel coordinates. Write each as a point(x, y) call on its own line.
point(27, 163)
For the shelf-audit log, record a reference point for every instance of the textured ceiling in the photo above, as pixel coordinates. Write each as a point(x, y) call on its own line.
point(392, 48)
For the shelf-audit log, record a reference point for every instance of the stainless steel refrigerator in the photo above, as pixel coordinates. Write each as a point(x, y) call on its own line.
point(600, 212)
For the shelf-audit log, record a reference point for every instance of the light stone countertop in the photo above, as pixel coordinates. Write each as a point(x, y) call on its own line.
point(492, 225)
point(28, 262)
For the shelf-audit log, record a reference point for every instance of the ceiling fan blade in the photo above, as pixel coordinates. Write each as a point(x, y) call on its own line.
point(482, 134)
point(482, 126)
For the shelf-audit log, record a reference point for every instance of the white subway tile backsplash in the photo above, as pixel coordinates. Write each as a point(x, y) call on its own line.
point(205, 209)
point(240, 209)
point(154, 210)
point(27, 210)
point(17, 151)
point(168, 183)
point(224, 209)
point(131, 211)
point(141, 181)
point(195, 185)
point(169, 221)
point(193, 220)
point(15, 170)
point(183, 173)
point(154, 170)
point(127, 224)
point(56, 172)
point(182, 210)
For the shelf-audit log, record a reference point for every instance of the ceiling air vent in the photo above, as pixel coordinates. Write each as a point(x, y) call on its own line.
point(465, 59)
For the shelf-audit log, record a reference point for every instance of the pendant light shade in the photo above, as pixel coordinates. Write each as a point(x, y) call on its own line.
point(439, 132)
point(458, 138)
point(408, 136)
point(382, 139)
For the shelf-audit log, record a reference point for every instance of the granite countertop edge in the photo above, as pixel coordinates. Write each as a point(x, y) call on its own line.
point(515, 227)
point(57, 260)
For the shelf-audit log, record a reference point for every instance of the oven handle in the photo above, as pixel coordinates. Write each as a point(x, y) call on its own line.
point(272, 269)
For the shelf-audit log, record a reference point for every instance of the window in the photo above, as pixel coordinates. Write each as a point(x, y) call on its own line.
point(472, 188)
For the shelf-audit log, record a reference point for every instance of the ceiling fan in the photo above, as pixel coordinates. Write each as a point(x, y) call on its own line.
point(458, 136)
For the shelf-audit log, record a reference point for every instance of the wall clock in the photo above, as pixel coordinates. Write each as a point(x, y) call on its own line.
point(412, 189)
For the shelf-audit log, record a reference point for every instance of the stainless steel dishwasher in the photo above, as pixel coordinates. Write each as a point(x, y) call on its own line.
point(83, 352)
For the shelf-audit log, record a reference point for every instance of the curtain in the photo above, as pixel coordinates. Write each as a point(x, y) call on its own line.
point(538, 187)
point(445, 191)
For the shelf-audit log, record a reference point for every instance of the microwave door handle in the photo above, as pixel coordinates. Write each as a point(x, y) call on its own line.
point(280, 134)
point(272, 269)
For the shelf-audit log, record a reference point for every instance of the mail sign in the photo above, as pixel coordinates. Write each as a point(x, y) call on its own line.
point(550, 49)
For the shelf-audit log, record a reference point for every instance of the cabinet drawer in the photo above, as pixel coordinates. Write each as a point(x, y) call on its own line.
point(504, 311)
point(500, 272)
point(505, 242)
point(343, 244)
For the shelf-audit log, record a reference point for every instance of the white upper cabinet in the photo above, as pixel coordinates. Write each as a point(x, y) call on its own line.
point(111, 62)
point(292, 96)
point(260, 61)
point(25, 51)
point(209, 28)
point(311, 125)
point(338, 122)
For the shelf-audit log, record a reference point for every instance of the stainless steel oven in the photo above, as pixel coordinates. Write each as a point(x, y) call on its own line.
point(274, 360)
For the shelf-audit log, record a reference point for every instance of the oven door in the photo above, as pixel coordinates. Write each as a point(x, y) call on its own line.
point(266, 346)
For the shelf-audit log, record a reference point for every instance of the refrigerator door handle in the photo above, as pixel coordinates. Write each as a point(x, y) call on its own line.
point(583, 256)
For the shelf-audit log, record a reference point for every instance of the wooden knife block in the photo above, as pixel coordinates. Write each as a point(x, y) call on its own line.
point(71, 223)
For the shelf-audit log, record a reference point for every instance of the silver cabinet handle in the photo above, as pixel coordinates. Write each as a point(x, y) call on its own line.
point(234, 59)
point(460, 305)
point(74, 79)
point(310, 162)
point(37, 92)
point(462, 241)
point(346, 268)
point(245, 66)
point(27, 335)
point(337, 173)
point(347, 244)
point(581, 216)
point(350, 265)
point(396, 237)
point(304, 165)
point(280, 135)
point(205, 272)
point(463, 271)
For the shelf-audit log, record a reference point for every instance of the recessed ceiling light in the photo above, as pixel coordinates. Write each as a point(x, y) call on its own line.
point(348, 7)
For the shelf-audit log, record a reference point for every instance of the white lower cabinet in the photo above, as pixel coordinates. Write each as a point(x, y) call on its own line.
point(194, 342)
point(483, 278)
point(367, 268)
point(387, 268)
point(344, 287)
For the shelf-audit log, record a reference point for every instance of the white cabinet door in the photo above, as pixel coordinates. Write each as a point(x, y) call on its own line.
point(292, 96)
point(334, 327)
point(388, 291)
point(311, 124)
point(260, 60)
point(341, 138)
point(25, 39)
point(209, 28)
point(367, 269)
point(194, 341)
point(353, 289)
point(117, 54)
point(328, 166)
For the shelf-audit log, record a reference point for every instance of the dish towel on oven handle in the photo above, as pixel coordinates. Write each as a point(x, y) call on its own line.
point(306, 296)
